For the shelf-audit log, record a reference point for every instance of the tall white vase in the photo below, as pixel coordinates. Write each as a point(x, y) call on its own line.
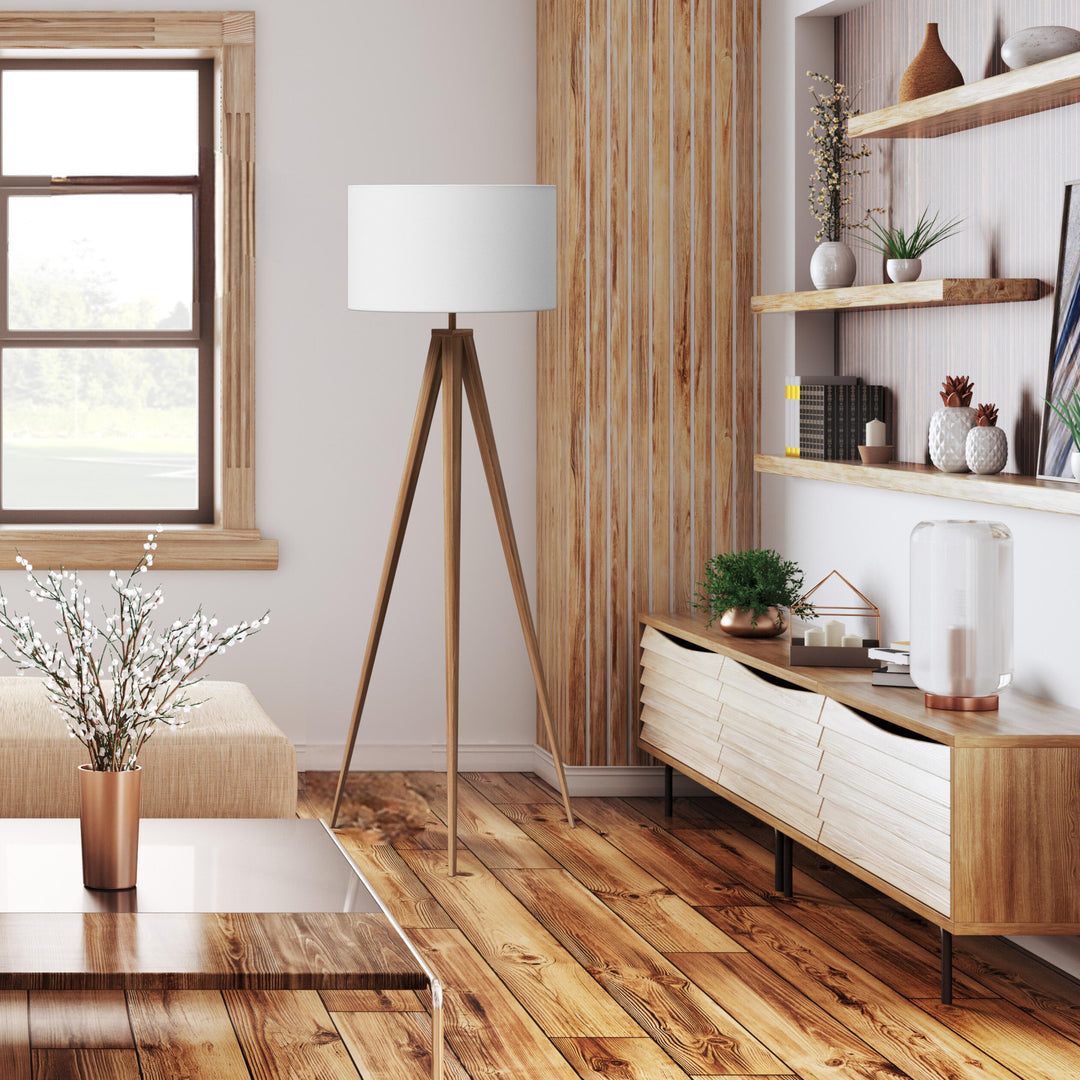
point(832, 266)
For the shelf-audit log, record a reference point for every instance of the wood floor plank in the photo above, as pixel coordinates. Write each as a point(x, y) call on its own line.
point(811, 1042)
point(693, 1030)
point(1012, 1035)
point(185, 1035)
point(556, 991)
point(79, 1020)
point(286, 1034)
point(503, 787)
point(488, 834)
point(371, 1001)
point(85, 1065)
point(684, 871)
point(492, 1035)
point(897, 1029)
point(619, 1059)
point(14, 1035)
point(688, 813)
point(393, 1046)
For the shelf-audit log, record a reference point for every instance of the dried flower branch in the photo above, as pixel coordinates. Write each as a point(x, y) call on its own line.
point(834, 157)
point(114, 683)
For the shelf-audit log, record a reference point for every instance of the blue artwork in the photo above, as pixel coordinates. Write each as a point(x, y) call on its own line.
point(1063, 378)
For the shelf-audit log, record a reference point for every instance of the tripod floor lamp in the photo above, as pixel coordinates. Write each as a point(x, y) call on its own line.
point(428, 248)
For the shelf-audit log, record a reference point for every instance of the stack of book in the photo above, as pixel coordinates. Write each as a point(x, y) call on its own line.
point(895, 667)
point(826, 415)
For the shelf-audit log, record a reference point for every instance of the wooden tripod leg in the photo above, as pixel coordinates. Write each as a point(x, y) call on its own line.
point(451, 379)
point(425, 410)
point(485, 437)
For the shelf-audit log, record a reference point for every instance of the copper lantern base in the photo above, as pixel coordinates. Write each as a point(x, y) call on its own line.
point(110, 827)
point(962, 704)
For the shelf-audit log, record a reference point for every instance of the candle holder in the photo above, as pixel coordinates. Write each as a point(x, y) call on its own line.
point(875, 455)
point(864, 613)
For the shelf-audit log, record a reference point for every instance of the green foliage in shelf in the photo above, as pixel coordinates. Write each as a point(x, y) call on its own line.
point(754, 580)
point(895, 243)
point(1068, 412)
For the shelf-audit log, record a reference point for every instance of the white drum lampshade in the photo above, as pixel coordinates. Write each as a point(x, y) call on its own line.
point(961, 612)
point(451, 247)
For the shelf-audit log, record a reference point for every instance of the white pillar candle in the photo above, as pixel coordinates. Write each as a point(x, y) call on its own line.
point(875, 433)
point(851, 641)
point(814, 635)
point(834, 633)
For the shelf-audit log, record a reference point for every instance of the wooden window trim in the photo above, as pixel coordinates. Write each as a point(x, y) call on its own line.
point(232, 542)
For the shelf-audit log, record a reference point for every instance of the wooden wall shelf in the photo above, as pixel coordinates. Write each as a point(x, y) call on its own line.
point(1048, 85)
point(939, 292)
point(1004, 489)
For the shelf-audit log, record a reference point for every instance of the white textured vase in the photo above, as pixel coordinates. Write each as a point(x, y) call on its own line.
point(1074, 464)
point(832, 266)
point(986, 450)
point(903, 269)
point(949, 428)
point(1039, 43)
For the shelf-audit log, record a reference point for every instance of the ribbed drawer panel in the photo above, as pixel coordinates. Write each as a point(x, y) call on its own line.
point(672, 669)
point(699, 742)
point(861, 849)
point(680, 692)
point(782, 787)
point(708, 663)
point(790, 699)
point(842, 753)
point(856, 784)
point(773, 755)
point(931, 757)
point(771, 801)
point(681, 714)
point(742, 729)
point(663, 740)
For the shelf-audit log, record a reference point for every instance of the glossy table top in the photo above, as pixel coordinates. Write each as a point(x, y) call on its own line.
point(186, 865)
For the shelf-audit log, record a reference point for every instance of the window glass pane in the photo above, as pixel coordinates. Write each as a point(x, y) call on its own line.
point(100, 429)
point(100, 262)
point(100, 123)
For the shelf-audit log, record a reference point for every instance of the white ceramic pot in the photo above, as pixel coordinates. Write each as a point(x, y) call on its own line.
point(986, 449)
point(832, 265)
point(948, 437)
point(1039, 43)
point(1074, 464)
point(903, 269)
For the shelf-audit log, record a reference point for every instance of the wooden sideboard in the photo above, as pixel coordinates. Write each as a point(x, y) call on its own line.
point(969, 819)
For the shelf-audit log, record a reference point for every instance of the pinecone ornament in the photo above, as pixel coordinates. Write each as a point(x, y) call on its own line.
point(949, 426)
point(986, 447)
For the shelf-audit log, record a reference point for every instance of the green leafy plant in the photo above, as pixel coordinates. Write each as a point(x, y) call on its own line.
point(1068, 412)
point(894, 242)
point(754, 580)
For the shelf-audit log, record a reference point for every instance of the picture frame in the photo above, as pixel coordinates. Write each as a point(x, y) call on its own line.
point(1063, 367)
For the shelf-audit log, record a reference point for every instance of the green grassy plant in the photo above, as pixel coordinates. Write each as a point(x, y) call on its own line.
point(894, 242)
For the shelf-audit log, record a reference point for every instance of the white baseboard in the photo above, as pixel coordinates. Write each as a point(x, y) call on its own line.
point(507, 757)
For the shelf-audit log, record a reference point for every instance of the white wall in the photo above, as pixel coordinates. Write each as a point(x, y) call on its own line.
point(358, 91)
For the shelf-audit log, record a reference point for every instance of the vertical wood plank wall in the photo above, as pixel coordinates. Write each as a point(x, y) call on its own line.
point(647, 370)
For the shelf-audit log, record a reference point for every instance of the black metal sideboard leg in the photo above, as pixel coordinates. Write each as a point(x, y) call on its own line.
point(669, 800)
point(778, 859)
point(946, 967)
point(789, 850)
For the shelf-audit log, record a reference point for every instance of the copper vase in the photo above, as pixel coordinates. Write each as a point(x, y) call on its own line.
point(931, 71)
point(740, 622)
point(110, 827)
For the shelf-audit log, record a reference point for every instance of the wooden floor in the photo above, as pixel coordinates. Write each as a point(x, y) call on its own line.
point(631, 948)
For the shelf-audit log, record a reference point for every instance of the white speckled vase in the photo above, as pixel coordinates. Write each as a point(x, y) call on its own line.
point(986, 450)
point(832, 266)
point(1039, 43)
point(948, 437)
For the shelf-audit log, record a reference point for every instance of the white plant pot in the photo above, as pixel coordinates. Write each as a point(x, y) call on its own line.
point(1074, 464)
point(903, 269)
point(948, 437)
point(986, 450)
point(1039, 43)
point(832, 266)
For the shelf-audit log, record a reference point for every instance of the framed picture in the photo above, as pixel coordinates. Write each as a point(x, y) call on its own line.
point(1063, 375)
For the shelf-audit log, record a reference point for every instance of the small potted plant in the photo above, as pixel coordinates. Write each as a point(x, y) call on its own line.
point(1068, 412)
point(903, 250)
point(748, 590)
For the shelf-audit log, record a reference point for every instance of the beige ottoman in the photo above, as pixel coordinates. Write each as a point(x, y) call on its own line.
point(229, 760)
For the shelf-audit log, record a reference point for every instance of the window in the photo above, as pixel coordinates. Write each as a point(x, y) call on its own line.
point(107, 318)
point(127, 289)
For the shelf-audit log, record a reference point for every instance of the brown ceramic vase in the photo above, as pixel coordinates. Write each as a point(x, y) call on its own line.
point(931, 71)
point(109, 820)
point(739, 622)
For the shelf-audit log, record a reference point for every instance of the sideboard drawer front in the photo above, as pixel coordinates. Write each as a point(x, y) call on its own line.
point(680, 673)
point(703, 742)
point(768, 798)
point(792, 737)
point(792, 759)
point(681, 712)
point(790, 699)
point(844, 754)
point(703, 661)
point(856, 785)
point(670, 743)
point(793, 791)
point(680, 692)
point(862, 850)
point(931, 757)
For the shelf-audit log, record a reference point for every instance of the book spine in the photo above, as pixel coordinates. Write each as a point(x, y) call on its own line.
point(864, 414)
point(851, 411)
point(811, 421)
point(830, 422)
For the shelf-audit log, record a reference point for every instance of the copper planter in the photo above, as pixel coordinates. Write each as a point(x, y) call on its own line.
point(110, 827)
point(740, 622)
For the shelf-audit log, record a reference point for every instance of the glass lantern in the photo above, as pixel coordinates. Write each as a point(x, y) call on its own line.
point(961, 612)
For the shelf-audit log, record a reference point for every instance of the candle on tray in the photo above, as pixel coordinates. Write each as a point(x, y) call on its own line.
point(814, 635)
point(834, 632)
point(851, 641)
point(875, 433)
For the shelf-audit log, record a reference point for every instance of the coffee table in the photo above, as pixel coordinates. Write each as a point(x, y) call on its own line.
point(245, 904)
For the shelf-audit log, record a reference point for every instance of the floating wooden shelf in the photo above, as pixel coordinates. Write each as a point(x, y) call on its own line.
point(1048, 85)
point(1004, 489)
point(939, 292)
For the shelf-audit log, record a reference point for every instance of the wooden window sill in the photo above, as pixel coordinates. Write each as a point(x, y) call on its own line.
point(118, 547)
